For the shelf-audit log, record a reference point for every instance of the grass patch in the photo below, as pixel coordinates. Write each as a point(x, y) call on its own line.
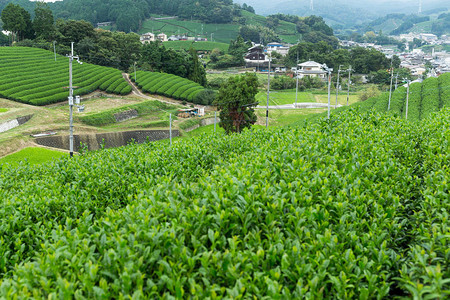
point(107, 117)
point(199, 46)
point(284, 97)
point(188, 123)
point(285, 117)
point(33, 155)
point(2, 110)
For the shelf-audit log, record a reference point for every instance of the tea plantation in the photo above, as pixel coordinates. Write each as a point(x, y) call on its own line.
point(354, 207)
point(32, 76)
point(167, 85)
point(424, 98)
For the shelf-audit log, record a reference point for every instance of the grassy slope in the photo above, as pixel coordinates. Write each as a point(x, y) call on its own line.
point(221, 32)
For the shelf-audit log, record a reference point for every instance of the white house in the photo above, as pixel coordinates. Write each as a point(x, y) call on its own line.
point(311, 69)
point(277, 47)
point(162, 37)
point(147, 37)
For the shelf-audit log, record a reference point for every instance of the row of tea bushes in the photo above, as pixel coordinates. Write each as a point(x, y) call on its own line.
point(32, 76)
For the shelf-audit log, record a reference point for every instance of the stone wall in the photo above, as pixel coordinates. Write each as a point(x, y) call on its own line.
point(14, 123)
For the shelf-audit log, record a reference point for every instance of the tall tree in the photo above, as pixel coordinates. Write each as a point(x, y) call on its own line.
point(43, 23)
point(236, 102)
point(196, 71)
point(17, 20)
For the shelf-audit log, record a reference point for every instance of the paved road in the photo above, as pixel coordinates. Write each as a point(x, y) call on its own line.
point(298, 106)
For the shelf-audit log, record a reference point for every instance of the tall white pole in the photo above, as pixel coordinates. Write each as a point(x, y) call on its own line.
point(337, 86)
point(170, 129)
point(71, 102)
point(329, 92)
point(348, 83)
point(390, 87)
point(407, 100)
point(296, 85)
point(268, 93)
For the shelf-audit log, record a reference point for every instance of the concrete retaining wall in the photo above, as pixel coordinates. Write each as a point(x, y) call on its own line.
point(14, 123)
point(109, 140)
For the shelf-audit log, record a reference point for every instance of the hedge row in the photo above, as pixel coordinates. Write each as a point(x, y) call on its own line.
point(444, 89)
point(33, 76)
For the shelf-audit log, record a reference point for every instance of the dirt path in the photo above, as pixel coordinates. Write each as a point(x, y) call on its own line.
point(140, 94)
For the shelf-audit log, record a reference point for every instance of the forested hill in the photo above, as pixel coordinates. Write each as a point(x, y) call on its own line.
point(129, 14)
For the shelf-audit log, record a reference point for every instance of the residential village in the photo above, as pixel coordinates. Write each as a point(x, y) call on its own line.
point(415, 60)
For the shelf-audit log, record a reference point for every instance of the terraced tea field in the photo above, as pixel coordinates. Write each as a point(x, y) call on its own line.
point(32, 76)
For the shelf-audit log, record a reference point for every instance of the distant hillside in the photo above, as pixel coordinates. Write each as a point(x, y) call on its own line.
point(395, 24)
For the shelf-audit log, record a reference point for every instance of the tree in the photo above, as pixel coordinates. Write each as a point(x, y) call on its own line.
point(17, 20)
point(43, 23)
point(196, 71)
point(236, 102)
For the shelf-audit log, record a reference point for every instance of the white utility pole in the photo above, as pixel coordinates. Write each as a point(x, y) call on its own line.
point(268, 93)
point(170, 129)
point(296, 85)
point(407, 98)
point(337, 86)
point(396, 80)
point(71, 104)
point(328, 70)
point(348, 83)
point(390, 87)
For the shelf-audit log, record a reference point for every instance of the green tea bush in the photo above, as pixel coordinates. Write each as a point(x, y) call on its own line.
point(355, 207)
point(415, 101)
point(430, 97)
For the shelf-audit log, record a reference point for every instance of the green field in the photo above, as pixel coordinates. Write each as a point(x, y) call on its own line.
point(31, 155)
point(424, 27)
point(284, 97)
point(199, 46)
point(353, 208)
point(32, 76)
point(222, 33)
point(217, 32)
point(2, 110)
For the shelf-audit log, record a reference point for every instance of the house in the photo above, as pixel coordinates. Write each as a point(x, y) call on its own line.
point(277, 47)
point(256, 58)
point(311, 69)
point(147, 38)
point(162, 37)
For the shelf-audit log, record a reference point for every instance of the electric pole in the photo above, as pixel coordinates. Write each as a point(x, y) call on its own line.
point(328, 70)
point(407, 98)
point(348, 83)
point(337, 86)
point(390, 87)
point(296, 85)
point(71, 104)
point(268, 94)
point(396, 80)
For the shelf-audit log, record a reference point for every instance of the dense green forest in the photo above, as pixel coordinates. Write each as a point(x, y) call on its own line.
point(129, 14)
